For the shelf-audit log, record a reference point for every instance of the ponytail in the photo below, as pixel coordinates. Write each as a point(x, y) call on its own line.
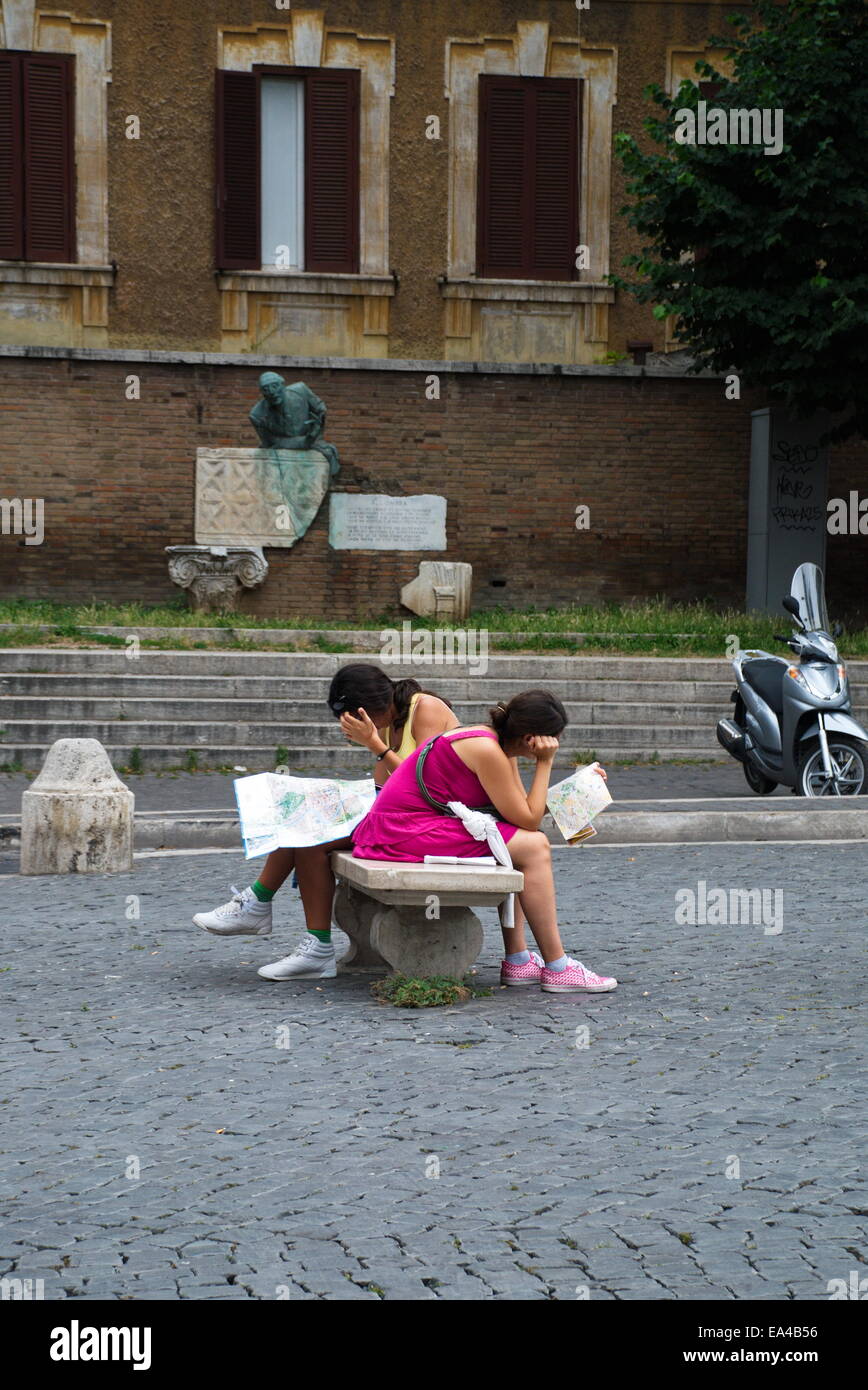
point(402, 694)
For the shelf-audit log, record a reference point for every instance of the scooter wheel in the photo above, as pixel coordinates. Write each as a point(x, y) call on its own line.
point(756, 780)
point(850, 760)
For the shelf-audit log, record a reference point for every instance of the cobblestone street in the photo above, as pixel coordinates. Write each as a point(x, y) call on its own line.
point(175, 1127)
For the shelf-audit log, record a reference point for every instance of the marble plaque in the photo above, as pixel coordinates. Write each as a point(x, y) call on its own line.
point(258, 496)
point(366, 521)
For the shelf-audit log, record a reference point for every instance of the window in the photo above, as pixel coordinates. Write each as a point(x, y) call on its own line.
point(528, 196)
point(37, 161)
point(282, 191)
point(288, 169)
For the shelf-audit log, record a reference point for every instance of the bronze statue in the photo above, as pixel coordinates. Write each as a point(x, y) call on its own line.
point(291, 417)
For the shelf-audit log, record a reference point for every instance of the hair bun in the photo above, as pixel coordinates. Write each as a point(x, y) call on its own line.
point(531, 712)
point(499, 716)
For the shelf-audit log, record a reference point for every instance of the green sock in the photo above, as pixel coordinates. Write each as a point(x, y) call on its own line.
point(323, 936)
point(263, 894)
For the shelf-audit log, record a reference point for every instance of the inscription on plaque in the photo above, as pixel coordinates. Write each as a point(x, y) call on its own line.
point(364, 521)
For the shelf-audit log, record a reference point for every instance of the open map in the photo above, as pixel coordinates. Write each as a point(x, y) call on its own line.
point(279, 812)
point(576, 801)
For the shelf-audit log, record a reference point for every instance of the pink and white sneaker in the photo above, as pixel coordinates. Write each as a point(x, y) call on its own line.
point(527, 974)
point(575, 979)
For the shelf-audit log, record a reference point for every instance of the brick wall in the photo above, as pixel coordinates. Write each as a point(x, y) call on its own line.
point(662, 463)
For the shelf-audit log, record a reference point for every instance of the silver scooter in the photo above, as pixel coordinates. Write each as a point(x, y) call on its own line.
point(792, 725)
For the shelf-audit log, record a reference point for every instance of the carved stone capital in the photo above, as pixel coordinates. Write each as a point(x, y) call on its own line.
point(213, 574)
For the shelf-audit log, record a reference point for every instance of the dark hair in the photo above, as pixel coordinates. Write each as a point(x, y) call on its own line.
point(531, 712)
point(361, 684)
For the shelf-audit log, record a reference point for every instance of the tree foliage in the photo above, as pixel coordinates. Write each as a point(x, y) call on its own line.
point(779, 289)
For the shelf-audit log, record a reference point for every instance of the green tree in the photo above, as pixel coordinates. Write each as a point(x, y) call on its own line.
point(778, 291)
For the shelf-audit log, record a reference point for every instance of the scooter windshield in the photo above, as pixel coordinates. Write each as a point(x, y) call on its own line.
point(808, 591)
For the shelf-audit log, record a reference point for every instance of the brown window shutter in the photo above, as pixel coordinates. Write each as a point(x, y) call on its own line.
point(527, 213)
point(503, 203)
point(238, 171)
point(49, 161)
point(11, 166)
point(555, 181)
point(331, 210)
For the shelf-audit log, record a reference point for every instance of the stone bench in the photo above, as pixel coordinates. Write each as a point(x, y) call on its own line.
point(415, 918)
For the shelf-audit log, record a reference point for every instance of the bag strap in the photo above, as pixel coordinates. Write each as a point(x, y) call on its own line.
point(420, 781)
point(441, 805)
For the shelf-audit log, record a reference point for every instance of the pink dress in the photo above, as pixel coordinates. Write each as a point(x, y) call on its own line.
point(401, 824)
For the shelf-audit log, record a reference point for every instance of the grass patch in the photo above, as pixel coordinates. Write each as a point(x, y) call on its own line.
point(135, 762)
point(654, 627)
point(407, 993)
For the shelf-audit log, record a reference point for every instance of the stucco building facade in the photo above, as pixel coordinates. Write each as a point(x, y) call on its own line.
point(369, 195)
point(146, 270)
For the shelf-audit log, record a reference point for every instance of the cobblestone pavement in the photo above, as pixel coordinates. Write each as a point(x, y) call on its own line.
point(175, 1127)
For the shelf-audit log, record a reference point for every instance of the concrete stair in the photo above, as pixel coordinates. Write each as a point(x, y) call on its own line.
point(235, 708)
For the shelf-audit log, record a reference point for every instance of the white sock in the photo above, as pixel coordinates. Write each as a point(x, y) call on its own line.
point(559, 964)
point(518, 958)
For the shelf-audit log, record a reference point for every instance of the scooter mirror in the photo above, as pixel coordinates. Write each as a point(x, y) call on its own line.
point(792, 606)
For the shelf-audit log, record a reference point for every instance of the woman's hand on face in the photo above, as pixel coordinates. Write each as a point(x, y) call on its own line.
point(543, 747)
point(359, 730)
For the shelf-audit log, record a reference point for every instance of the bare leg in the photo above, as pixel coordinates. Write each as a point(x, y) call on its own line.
point(317, 882)
point(532, 854)
point(514, 939)
point(277, 868)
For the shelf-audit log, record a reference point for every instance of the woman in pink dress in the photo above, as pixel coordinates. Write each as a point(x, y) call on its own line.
point(477, 766)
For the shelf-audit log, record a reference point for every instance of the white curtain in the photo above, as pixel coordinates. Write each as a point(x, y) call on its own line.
point(283, 172)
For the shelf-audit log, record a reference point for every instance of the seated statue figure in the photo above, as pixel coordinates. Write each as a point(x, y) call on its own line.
point(291, 417)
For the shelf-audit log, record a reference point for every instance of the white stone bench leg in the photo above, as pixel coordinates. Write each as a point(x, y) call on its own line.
point(415, 946)
point(354, 913)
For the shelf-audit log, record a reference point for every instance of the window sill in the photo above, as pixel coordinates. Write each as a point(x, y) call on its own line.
point(303, 282)
point(53, 273)
point(529, 291)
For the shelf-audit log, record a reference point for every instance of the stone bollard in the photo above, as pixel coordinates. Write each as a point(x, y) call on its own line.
point(77, 817)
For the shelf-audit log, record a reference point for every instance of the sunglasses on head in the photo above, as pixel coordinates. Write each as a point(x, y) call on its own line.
point(339, 707)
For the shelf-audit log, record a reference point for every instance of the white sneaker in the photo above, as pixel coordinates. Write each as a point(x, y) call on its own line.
point(243, 915)
point(311, 960)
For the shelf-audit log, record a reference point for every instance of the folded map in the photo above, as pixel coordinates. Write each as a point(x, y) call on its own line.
point(576, 801)
point(280, 812)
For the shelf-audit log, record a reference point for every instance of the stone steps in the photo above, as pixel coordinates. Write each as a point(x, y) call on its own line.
point(18, 711)
point(322, 665)
point(234, 708)
point(63, 685)
point(197, 734)
point(314, 761)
